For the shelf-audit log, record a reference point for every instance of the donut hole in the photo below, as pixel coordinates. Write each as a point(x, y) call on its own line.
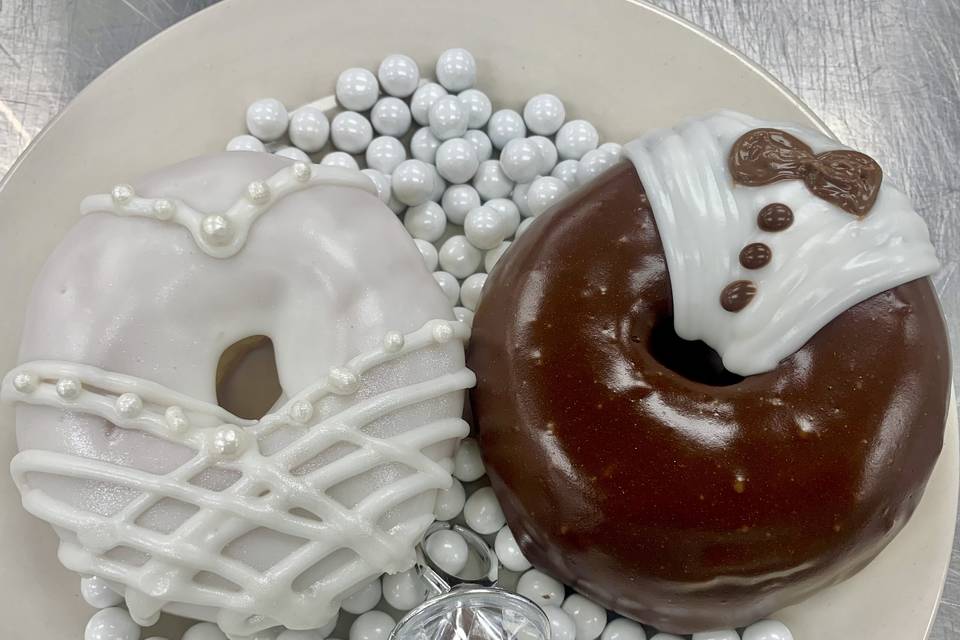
point(248, 385)
point(692, 359)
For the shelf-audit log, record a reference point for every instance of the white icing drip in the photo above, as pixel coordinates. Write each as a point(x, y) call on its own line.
point(222, 235)
point(825, 263)
point(226, 442)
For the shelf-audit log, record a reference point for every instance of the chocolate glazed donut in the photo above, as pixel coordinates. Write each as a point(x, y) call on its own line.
point(631, 466)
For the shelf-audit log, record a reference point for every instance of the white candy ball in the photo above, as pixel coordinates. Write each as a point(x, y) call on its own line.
point(615, 150)
point(485, 228)
point(459, 257)
point(449, 286)
point(544, 114)
point(523, 227)
point(720, 634)
point(519, 198)
point(481, 142)
point(399, 75)
point(508, 551)
point(521, 160)
point(508, 211)
point(429, 254)
point(309, 129)
point(405, 590)
point(623, 629)
point(159, 638)
point(592, 164)
point(267, 119)
point(448, 118)
point(204, 631)
point(483, 513)
point(448, 550)
point(112, 624)
point(293, 153)
point(385, 153)
point(541, 588)
point(767, 630)
point(439, 185)
point(391, 117)
point(589, 617)
point(412, 182)
point(492, 257)
point(357, 89)
point(471, 290)
point(457, 160)
point(290, 634)
point(245, 142)
point(464, 315)
point(562, 626)
point(458, 201)
point(544, 192)
point(363, 600)
point(478, 106)
point(381, 182)
point(575, 138)
point(423, 97)
point(98, 594)
point(491, 182)
point(456, 69)
point(450, 501)
point(467, 463)
point(548, 151)
point(504, 126)
point(351, 132)
point(339, 159)
point(424, 145)
point(666, 636)
point(425, 221)
point(372, 625)
point(567, 171)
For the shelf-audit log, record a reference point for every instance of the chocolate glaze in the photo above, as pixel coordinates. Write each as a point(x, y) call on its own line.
point(755, 255)
point(678, 503)
point(847, 179)
point(775, 217)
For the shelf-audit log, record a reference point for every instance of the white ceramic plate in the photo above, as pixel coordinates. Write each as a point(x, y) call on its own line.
point(622, 65)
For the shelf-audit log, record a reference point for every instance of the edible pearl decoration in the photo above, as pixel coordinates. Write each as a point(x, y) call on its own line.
point(471, 290)
point(450, 287)
point(68, 388)
point(541, 588)
point(425, 221)
point(724, 634)
point(448, 118)
point(301, 411)
point(464, 315)
point(450, 501)
point(176, 419)
point(385, 154)
point(412, 182)
point(491, 182)
point(204, 631)
point(340, 159)
point(228, 441)
point(562, 626)
point(343, 381)
point(424, 145)
point(589, 617)
point(544, 192)
point(405, 590)
point(524, 225)
point(592, 164)
point(504, 126)
point(459, 200)
point(122, 194)
point(381, 182)
point(429, 253)
point(459, 257)
point(351, 132)
point(485, 228)
point(767, 630)
point(548, 153)
point(267, 119)
point(393, 342)
point(567, 170)
point(456, 69)
point(575, 138)
point(508, 551)
point(363, 600)
point(448, 550)
point(391, 117)
point(291, 634)
point(478, 105)
point(25, 382)
point(544, 114)
point(521, 160)
point(111, 624)
point(98, 594)
point(612, 149)
point(666, 636)
point(357, 89)
point(457, 160)
point(519, 198)
point(483, 513)
point(245, 142)
point(481, 142)
point(293, 153)
point(423, 97)
point(467, 463)
point(439, 184)
point(398, 75)
point(129, 405)
point(509, 213)
point(493, 256)
point(309, 129)
point(217, 230)
point(626, 629)
point(373, 625)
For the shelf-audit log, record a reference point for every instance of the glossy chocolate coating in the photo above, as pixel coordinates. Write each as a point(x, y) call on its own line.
point(678, 503)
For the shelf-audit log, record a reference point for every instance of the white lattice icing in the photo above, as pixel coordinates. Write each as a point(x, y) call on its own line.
point(826, 262)
point(178, 504)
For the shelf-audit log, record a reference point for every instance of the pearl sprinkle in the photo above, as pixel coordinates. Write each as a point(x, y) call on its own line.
point(68, 388)
point(129, 405)
point(301, 411)
point(25, 382)
point(228, 441)
point(122, 194)
point(176, 419)
point(216, 229)
point(343, 381)
point(393, 342)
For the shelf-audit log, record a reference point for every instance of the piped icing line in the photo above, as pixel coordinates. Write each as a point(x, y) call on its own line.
point(226, 442)
point(223, 234)
point(824, 262)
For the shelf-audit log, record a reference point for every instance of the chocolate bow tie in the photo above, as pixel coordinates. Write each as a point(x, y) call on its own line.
point(847, 179)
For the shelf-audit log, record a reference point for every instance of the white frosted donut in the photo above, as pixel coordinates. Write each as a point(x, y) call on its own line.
point(178, 504)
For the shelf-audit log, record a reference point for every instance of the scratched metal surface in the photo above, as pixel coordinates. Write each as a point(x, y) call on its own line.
point(883, 74)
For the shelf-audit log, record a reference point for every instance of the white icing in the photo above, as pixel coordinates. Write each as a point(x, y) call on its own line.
point(823, 264)
point(125, 452)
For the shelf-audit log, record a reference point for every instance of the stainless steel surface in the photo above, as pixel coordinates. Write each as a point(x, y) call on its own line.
point(883, 74)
